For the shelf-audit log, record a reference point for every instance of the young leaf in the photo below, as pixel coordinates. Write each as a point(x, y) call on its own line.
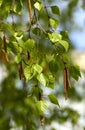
point(14, 47)
point(41, 78)
point(28, 72)
point(51, 81)
point(54, 37)
point(38, 68)
point(65, 35)
point(51, 78)
point(55, 10)
point(29, 44)
point(64, 44)
point(9, 28)
point(18, 35)
point(53, 99)
point(53, 66)
point(17, 9)
point(53, 23)
point(38, 6)
point(41, 106)
point(18, 59)
point(75, 72)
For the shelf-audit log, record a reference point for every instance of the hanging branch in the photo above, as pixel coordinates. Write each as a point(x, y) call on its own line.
point(30, 10)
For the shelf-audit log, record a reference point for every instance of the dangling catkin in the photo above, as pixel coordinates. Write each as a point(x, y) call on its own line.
point(30, 10)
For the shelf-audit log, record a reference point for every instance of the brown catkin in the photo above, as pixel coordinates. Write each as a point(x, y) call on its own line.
point(20, 70)
point(42, 118)
point(30, 10)
point(65, 83)
point(28, 55)
point(69, 84)
point(5, 48)
point(4, 41)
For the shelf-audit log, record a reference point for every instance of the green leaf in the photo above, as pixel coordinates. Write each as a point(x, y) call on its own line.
point(55, 10)
point(14, 48)
point(18, 35)
point(51, 78)
point(73, 3)
point(54, 37)
point(38, 6)
point(18, 59)
point(29, 44)
point(41, 78)
point(53, 23)
point(17, 9)
point(28, 72)
point(1, 1)
point(41, 106)
point(65, 35)
point(21, 2)
point(53, 99)
point(51, 81)
point(64, 44)
point(53, 66)
point(75, 72)
point(38, 68)
point(5, 9)
point(9, 28)
point(36, 31)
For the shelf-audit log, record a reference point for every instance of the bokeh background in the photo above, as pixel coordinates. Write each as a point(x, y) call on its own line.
point(71, 115)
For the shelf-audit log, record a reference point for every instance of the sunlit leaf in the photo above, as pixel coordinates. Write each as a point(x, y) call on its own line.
point(28, 72)
point(54, 37)
point(38, 68)
point(41, 105)
point(38, 6)
point(29, 44)
point(18, 35)
point(18, 59)
point(51, 81)
point(53, 99)
point(64, 44)
point(53, 23)
point(41, 78)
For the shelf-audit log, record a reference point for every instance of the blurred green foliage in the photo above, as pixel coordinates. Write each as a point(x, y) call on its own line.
point(38, 54)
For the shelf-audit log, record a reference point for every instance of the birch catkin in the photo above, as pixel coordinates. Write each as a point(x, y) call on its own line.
point(30, 10)
point(5, 48)
point(42, 118)
point(20, 70)
point(67, 84)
